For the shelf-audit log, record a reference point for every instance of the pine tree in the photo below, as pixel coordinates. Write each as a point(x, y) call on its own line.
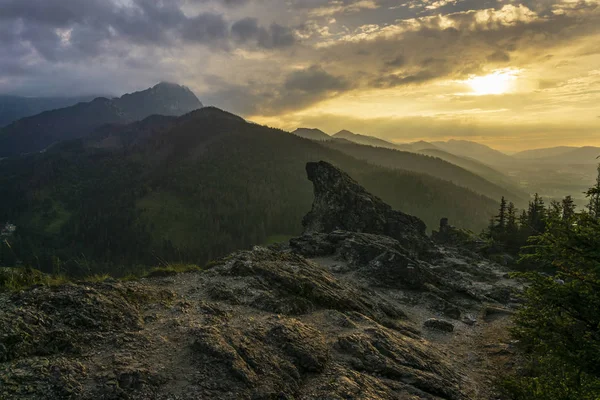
point(524, 228)
point(492, 228)
point(537, 215)
point(501, 217)
point(568, 208)
point(555, 210)
point(594, 196)
point(511, 219)
point(512, 238)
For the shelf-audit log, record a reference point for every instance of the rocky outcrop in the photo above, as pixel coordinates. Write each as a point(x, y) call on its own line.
point(342, 204)
point(382, 260)
point(452, 236)
point(439, 325)
point(282, 282)
point(353, 309)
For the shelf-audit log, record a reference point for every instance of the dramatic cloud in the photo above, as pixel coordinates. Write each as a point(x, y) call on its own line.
point(295, 61)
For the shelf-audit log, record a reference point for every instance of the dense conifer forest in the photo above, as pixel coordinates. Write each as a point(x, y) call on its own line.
point(187, 190)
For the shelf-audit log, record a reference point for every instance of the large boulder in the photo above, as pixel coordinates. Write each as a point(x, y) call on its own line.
point(342, 204)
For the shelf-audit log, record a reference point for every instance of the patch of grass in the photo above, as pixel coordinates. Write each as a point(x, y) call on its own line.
point(14, 279)
point(172, 269)
point(214, 263)
point(97, 278)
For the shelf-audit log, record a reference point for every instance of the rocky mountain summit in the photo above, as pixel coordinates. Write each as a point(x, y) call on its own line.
point(38, 132)
point(362, 306)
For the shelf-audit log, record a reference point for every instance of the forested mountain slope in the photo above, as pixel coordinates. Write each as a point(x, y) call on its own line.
point(313, 134)
point(365, 139)
point(429, 165)
point(477, 167)
point(478, 151)
point(189, 189)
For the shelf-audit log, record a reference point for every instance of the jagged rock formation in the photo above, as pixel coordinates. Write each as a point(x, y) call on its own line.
point(342, 204)
point(337, 314)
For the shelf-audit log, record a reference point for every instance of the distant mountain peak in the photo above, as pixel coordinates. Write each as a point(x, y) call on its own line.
point(477, 151)
point(168, 84)
point(310, 129)
point(171, 86)
point(364, 139)
point(312, 134)
point(101, 100)
point(36, 133)
point(212, 111)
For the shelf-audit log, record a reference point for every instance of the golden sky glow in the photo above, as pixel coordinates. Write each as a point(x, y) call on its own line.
point(498, 82)
point(512, 74)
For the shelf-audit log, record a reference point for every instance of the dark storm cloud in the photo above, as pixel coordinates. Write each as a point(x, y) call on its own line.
point(96, 36)
point(296, 90)
point(92, 26)
point(394, 80)
point(397, 61)
point(227, 3)
point(248, 30)
point(320, 48)
point(204, 28)
point(315, 80)
point(456, 45)
point(412, 53)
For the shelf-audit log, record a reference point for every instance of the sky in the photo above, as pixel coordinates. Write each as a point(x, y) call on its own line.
point(510, 74)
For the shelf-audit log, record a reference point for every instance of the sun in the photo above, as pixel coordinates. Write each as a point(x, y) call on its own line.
point(498, 82)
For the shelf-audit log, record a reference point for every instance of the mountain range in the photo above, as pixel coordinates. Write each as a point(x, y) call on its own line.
point(189, 189)
point(312, 134)
point(36, 133)
point(422, 157)
point(125, 193)
point(495, 187)
point(478, 151)
point(552, 172)
point(562, 155)
point(364, 139)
